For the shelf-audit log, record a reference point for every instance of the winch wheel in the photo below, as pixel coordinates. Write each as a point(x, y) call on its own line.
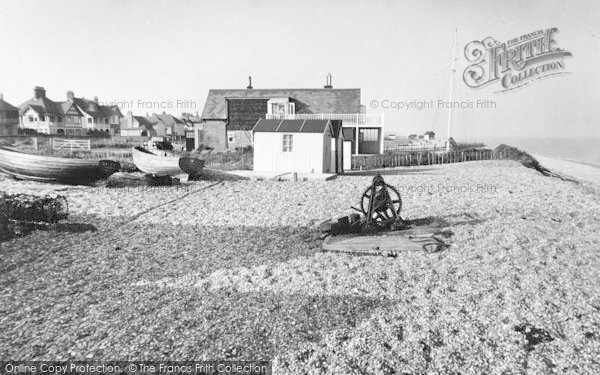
point(382, 211)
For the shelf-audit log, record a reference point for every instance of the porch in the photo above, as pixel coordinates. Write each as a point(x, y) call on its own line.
point(363, 131)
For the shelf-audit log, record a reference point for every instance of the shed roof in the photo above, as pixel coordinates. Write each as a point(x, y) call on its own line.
point(266, 126)
point(307, 100)
point(292, 126)
point(7, 107)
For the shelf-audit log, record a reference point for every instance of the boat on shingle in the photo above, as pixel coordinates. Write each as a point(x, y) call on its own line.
point(166, 164)
point(44, 168)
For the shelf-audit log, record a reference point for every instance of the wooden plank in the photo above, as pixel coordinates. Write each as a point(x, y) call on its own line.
point(413, 239)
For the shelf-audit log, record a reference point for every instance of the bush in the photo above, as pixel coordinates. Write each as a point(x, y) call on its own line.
point(523, 157)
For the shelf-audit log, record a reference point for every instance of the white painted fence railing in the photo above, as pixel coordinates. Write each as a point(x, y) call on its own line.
point(375, 120)
point(70, 144)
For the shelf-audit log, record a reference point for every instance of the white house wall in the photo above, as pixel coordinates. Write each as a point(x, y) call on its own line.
point(37, 125)
point(306, 155)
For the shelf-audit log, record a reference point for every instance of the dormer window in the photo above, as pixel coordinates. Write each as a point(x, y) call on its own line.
point(281, 106)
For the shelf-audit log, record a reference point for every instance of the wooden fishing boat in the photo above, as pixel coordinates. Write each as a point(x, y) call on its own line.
point(148, 162)
point(44, 168)
point(193, 166)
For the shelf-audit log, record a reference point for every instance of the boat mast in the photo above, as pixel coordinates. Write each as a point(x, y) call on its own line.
point(452, 70)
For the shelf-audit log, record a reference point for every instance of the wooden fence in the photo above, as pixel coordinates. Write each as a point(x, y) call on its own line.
point(229, 161)
point(70, 144)
point(421, 158)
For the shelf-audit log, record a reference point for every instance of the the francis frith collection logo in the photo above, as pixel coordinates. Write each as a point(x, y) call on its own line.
point(515, 63)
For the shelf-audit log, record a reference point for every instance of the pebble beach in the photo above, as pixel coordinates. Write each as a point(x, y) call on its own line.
point(234, 270)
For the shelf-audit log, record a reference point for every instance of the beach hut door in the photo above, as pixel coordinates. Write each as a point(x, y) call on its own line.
point(347, 155)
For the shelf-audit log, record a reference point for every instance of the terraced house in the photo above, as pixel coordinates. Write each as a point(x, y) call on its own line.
point(160, 125)
point(75, 116)
point(229, 115)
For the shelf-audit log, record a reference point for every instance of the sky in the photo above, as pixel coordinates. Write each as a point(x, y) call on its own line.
point(153, 56)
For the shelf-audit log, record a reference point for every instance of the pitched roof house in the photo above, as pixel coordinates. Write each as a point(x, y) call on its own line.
point(161, 125)
point(9, 118)
point(229, 115)
point(75, 116)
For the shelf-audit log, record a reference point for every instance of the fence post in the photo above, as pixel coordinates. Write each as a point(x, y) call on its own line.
point(3, 218)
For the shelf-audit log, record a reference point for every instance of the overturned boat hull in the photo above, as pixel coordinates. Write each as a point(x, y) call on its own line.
point(43, 168)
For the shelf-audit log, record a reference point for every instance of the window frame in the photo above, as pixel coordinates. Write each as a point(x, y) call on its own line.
point(287, 143)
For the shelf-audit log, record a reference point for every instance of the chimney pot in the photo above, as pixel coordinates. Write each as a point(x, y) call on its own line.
point(96, 99)
point(39, 92)
point(249, 87)
point(328, 81)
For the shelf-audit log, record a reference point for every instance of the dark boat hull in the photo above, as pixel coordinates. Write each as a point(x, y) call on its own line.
point(53, 169)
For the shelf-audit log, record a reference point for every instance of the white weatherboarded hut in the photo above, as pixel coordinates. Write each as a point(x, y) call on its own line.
point(302, 146)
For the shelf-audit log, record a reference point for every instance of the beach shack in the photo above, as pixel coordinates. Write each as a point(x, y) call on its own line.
point(301, 146)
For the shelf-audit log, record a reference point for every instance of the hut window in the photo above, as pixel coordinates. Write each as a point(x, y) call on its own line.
point(30, 118)
point(42, 118)
point(89, 120)
point(288, 142)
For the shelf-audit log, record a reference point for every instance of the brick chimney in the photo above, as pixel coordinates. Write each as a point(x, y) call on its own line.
point(70, 96)
point(249, 87)
point(96, 99)
point(1, 96)
point(39, 92)
point(129, 119)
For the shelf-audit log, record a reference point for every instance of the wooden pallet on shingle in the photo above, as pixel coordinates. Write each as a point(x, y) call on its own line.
point(428, 238)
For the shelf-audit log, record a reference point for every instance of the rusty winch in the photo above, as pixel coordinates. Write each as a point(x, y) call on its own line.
point(380, 230)
point(380, 206)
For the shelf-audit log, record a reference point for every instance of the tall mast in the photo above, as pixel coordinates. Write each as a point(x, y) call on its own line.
point(452, 70)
